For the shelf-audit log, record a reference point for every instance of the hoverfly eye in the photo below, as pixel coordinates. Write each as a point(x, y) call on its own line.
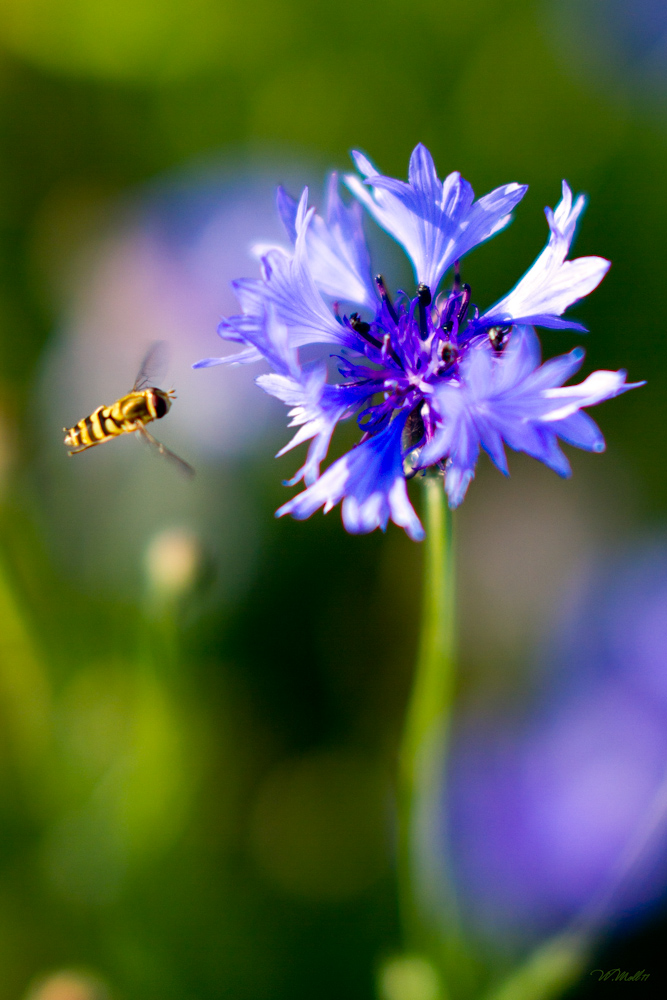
point(160, 407)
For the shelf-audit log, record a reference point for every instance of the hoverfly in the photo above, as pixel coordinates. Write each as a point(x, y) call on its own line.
point(132, 412)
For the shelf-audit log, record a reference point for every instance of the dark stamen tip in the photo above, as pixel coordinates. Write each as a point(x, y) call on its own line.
point(384, 295)
point(424, 300)
point(423, 294)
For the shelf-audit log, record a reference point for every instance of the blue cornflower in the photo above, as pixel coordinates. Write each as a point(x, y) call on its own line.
point(429, 378)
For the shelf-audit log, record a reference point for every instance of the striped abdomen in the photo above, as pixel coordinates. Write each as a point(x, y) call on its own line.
point(125, 416)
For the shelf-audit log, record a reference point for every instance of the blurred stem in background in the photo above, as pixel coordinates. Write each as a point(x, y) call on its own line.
point(548, 972)
point(25, 696)
point(172, 561)
point(428, 907)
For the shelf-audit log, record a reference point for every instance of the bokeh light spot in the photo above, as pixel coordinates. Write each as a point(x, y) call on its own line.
point(67, 985)
point(172, 560)
point(409, 977)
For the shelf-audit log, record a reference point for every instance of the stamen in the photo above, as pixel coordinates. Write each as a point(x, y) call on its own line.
point(466, 292)
point(386, 345)
point(424, 298)
point(363, 329)
point(457, 277)
point(424, 294)
point(384, 295)
point(446, 313)
point(456, 308)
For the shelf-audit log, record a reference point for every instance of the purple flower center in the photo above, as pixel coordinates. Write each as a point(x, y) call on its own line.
point(415, 343)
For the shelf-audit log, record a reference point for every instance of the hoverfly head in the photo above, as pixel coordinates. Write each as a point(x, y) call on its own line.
point(161, 401)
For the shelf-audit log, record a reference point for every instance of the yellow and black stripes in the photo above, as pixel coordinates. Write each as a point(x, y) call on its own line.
point(126, 415)
point(100, 426)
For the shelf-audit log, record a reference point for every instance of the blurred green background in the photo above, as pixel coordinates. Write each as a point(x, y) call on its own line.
point(200, 706)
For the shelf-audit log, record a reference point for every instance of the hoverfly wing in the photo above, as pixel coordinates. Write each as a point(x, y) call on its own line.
point(163, 450)
point(153, 367)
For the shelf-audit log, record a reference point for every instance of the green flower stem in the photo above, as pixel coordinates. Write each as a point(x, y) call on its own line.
point(427, 904)
point(431, 695)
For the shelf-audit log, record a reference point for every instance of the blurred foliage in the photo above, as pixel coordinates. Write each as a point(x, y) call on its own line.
point(193, 796)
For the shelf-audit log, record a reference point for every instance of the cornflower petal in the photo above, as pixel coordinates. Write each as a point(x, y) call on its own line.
point(555, 371)
point(336, 248)
point(522, 355)
point(251, 356)
point(501, 399)
point(270, 341)
point(370, 481)
point(581, 431)
point(315, 408)
point(437, 222)
point(289, 286)
point(250, 293)
point(243, 329)
point(553, 283)
point(597, 387)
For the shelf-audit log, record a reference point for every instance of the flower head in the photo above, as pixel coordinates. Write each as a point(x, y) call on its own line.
point(429, 379)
